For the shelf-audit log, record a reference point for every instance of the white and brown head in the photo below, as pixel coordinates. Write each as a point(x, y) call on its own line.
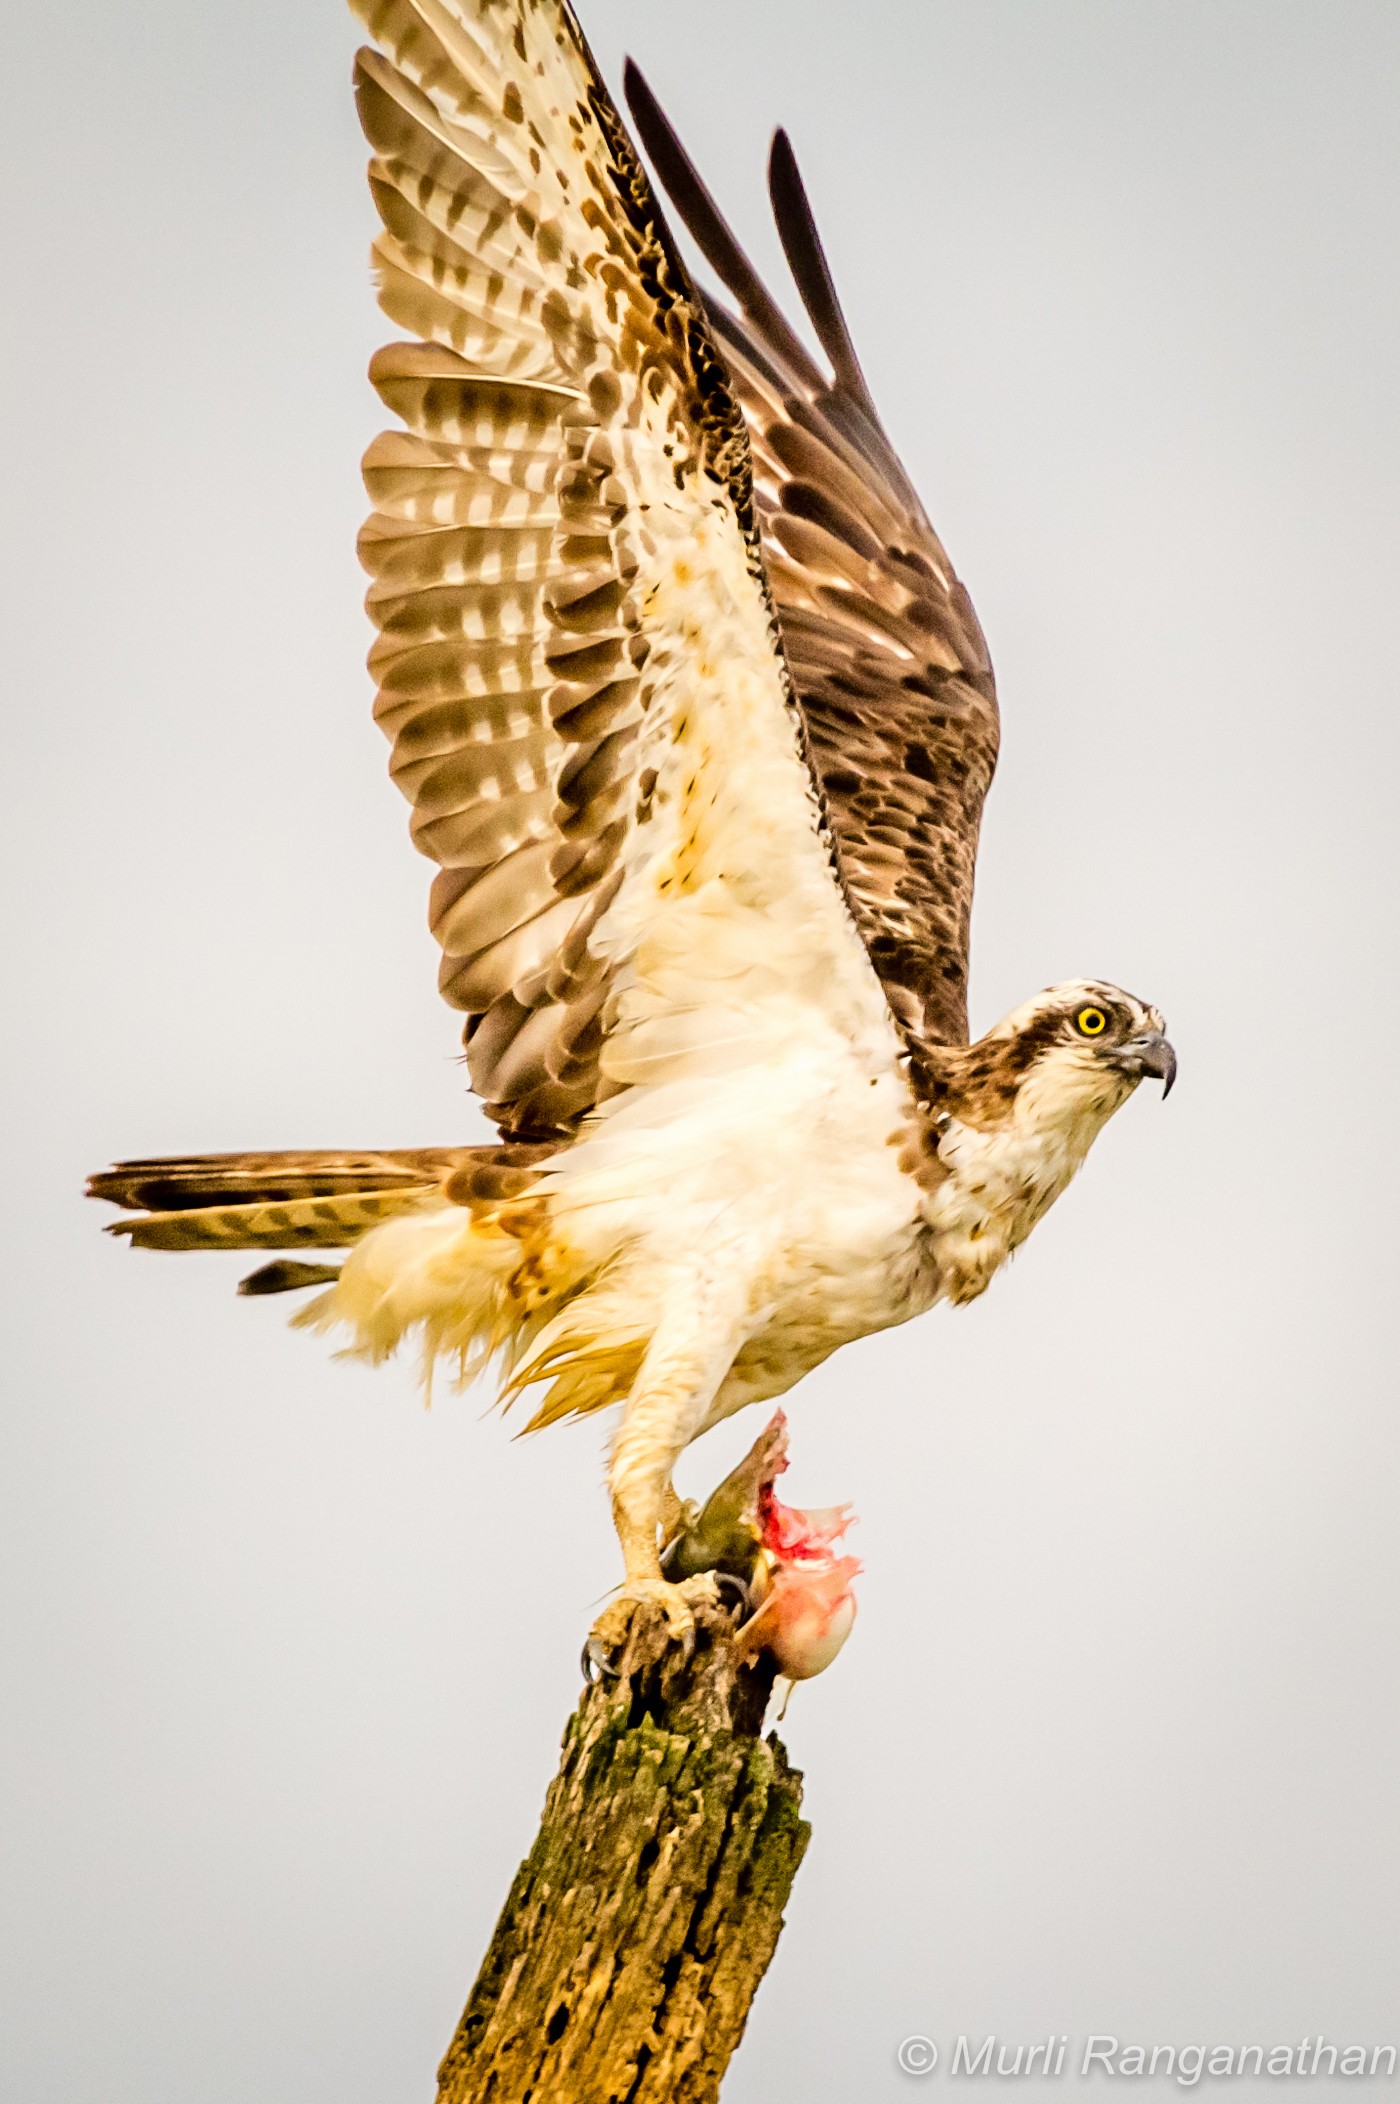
point(1076, 1051)
point(1015, 1114)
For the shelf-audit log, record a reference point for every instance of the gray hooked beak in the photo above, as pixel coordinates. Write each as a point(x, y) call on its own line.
point(1150, 1054)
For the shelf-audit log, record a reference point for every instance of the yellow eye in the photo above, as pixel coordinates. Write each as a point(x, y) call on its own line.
point(1091, 1022)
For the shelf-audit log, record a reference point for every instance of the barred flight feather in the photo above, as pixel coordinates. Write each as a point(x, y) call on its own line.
point(564, 520)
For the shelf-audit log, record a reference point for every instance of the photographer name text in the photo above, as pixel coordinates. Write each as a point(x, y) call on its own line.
point(1104, 2055)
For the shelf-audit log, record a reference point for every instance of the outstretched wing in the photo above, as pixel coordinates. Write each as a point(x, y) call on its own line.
point(578, 661)
point(885, 649)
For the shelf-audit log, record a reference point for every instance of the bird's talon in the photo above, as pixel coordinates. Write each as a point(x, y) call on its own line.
point(614, 1625)
point(596, 1664)
point(732, 1593)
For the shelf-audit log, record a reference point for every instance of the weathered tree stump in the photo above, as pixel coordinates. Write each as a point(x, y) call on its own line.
point(648, 1910)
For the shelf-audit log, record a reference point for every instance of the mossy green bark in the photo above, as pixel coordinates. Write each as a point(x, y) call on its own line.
point(641, 1922)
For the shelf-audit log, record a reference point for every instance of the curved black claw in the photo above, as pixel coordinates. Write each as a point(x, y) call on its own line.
point(596, 1664)
point(733, 1593)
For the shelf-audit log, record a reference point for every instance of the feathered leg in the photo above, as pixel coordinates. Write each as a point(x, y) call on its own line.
point(688, 1357)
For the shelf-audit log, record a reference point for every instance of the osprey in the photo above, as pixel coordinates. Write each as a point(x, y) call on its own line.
point(696, 721)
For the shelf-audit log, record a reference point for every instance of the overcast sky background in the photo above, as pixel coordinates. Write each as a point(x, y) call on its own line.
point(285, 1658)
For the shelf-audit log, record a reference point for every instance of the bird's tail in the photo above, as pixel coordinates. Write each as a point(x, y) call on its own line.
point(298, 1200)
point(468, 1255)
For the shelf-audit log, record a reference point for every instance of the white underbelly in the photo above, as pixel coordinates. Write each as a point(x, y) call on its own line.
point(890, 1283)
point(784, 1187)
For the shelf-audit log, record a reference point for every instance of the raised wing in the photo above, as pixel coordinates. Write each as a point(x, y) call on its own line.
point(578, 660)
point(889, 661)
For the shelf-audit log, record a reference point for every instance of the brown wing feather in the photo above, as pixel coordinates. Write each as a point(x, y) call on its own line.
point(889, 661)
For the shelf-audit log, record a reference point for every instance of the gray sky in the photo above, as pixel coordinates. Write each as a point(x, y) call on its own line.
point(285, 1658)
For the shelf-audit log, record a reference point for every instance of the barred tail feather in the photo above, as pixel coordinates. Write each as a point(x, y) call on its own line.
point(300, 1223)
point(301, 1200)
point(187, 1182)
point(286, 1275)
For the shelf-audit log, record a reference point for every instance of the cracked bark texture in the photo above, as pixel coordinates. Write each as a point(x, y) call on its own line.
point(643, 1919)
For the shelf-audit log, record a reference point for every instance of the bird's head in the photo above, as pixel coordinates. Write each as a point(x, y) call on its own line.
point(1016, 1113)
point(1066, 1059)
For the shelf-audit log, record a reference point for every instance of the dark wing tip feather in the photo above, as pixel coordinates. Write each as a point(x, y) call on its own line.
point(708, 226)
point(802, 245)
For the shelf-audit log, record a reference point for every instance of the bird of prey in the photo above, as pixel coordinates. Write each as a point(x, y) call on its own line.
point(696, 721)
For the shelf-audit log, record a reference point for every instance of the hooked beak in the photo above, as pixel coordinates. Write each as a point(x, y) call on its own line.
point(1150, 1054)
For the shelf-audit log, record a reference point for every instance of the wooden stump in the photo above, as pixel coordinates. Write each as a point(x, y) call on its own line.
point(645, 1915)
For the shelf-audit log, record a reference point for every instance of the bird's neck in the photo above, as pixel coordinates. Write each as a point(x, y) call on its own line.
point(998, 1180)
